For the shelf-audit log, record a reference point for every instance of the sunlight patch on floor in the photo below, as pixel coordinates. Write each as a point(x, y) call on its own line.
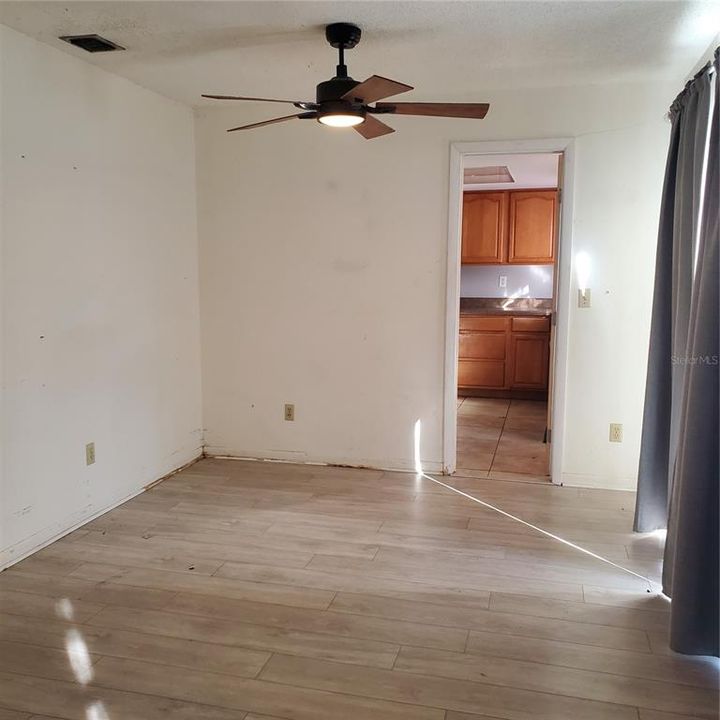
point(64, 609)
point(652, 587)
point(417, 437)
point(79, 656)
point(96, 711)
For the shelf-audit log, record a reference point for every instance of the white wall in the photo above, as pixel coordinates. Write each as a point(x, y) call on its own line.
point(619, 181)
point(323, 278)
point(705, 58)
point(530, 281)
point(99, 291)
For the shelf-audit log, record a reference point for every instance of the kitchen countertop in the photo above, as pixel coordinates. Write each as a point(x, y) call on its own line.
point(506, 306)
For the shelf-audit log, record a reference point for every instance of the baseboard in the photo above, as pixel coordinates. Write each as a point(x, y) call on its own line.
point(598, 482)
point(41, 539)
point(516, 394)
point(296, 458)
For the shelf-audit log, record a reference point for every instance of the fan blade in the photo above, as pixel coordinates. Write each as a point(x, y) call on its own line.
point(375, 88)
point(238, 97)
point(454, 110)
point(301, 116)
point(373, 128)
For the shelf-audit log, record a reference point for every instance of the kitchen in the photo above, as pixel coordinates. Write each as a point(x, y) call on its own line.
point(509, 249)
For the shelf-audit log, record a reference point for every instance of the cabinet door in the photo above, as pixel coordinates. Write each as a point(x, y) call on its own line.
point(529, 360)
point(532, 227)
point(484, 227)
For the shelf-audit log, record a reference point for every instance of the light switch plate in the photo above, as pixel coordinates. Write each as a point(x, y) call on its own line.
point(90, 454)
point(584, 298)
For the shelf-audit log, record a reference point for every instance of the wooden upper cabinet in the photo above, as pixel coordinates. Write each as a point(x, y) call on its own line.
point(531, 238)
point(484, 227)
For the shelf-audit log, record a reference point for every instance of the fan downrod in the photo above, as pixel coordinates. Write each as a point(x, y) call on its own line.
point(343, 35)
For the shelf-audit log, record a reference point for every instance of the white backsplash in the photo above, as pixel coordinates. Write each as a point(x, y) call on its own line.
point(531, 281)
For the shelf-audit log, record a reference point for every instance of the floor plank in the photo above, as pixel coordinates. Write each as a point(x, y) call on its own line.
point(498, 622)
point(109, 593)
point(337, 582)
point(447, 576)
point(39, 606)
point(76, 702)
point(334, 623)
point(691, 671)
point(177, 652)
point(287, 701)
point(13, 714)
point(132, 580)
point(432, 691)
point(586, 612)
point(248, 635)
point(542, 677)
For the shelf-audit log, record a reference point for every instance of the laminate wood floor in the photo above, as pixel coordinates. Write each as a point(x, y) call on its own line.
point(262, 590)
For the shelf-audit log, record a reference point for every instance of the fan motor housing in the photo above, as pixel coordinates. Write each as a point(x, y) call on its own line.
point(334, 89)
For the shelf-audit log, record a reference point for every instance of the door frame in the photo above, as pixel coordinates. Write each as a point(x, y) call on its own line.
point(458, 151)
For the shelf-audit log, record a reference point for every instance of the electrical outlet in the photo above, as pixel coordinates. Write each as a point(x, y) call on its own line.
point(616, 432)
point(502, 281)
point(289, 412)
point(584, 298)
point(90, 453)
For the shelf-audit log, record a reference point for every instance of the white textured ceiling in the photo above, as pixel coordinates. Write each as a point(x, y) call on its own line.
point(448, 50)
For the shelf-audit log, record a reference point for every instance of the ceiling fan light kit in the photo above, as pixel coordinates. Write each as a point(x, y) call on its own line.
point(343, 102)
point(341, 118)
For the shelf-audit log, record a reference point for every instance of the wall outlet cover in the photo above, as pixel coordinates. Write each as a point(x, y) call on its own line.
point(289, 412)
point(616, 432)
point(90, 454)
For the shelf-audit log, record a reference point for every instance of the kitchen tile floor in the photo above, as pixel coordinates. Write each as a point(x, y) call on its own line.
point(502, 439)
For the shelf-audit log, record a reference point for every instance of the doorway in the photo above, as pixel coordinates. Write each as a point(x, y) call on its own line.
point(506, 332)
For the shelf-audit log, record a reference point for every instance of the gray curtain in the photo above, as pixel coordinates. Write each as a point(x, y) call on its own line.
point(679, 472)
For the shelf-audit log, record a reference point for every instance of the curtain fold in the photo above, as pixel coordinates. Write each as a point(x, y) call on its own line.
point(654, 468)
point(679, 469)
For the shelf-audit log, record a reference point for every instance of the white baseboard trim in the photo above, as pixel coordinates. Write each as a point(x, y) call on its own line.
point(598, 482)
point(405, 466)
point(41, 539)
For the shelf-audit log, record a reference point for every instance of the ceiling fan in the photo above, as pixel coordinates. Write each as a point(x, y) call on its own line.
point(344, 102)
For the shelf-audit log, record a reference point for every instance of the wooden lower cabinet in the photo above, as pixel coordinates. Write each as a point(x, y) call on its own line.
point(529, 353)
point(482, 355)
point(503, 353)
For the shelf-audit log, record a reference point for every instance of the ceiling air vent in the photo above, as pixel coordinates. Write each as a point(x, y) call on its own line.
point(91, 43)
point(482, 175)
